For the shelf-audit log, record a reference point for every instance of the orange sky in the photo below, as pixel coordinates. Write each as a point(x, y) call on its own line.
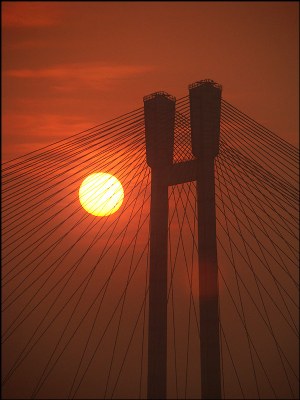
point(68, 66)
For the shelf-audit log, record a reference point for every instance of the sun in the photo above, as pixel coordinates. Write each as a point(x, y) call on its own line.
point(101, 194)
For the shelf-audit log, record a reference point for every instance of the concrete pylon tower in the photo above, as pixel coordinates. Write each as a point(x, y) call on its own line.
point(159, 110)
point(205, 110)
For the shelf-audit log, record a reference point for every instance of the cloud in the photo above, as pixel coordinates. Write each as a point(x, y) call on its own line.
point(63, 99)
point(30, 14)
point(86, 72)
point(23, 43)
point(64, 78)
point(47, 126)
point(29, 131)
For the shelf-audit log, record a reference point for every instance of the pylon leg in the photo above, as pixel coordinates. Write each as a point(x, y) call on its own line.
point(208, 282)
point(157, 341)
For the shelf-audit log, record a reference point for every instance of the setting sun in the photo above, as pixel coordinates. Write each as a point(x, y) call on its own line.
point(101, 194)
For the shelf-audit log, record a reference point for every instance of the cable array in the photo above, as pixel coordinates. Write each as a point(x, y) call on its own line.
point(75, 286)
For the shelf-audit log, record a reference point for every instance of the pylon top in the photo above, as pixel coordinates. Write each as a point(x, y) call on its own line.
point(205, 82)
point(161, 93)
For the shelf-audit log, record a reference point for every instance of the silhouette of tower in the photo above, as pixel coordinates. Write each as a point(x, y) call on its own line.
point(205, 110)
point(159, 109)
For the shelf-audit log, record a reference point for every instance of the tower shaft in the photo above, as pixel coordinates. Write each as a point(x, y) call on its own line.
point(159, 123)
point(158, 280)
point(205, 111)
point(205, 107)
point(208, 282)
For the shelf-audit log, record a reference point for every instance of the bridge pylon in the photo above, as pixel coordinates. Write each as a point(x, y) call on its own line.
point(159, 110)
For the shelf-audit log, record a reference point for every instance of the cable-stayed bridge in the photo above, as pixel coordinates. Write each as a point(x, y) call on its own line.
point(75, 287)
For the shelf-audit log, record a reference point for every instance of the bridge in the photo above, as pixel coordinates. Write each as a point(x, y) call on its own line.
point(75, 287)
